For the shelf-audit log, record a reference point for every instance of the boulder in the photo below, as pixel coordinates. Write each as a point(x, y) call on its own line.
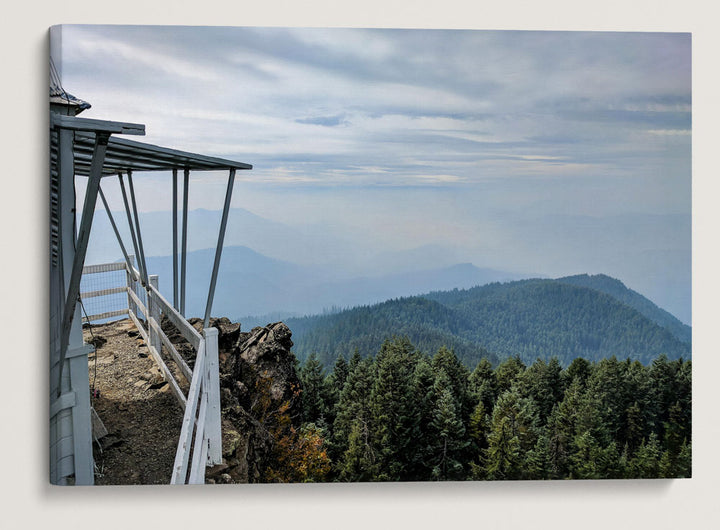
point(259, 385)
point(259, 390)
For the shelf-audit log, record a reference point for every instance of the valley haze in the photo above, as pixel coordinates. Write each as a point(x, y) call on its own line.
point(275, 270)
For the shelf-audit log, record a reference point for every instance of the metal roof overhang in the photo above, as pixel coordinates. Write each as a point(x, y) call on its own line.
point(124, 155)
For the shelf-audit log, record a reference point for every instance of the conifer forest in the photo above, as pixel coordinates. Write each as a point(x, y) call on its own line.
point(404, 415)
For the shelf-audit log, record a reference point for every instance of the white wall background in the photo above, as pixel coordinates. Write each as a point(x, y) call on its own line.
point(27, 498)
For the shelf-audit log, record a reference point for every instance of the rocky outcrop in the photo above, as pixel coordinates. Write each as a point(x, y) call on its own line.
point(259, 394)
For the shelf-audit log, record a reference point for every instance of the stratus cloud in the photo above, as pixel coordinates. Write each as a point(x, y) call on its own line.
point(97, 48)
point(470, 104)
point(670, 132)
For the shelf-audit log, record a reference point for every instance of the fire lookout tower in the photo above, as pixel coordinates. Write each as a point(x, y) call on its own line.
point(92, 149)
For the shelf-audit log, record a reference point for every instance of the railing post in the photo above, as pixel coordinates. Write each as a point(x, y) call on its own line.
point(154, 310)
point(131, 284)
point(213, 428)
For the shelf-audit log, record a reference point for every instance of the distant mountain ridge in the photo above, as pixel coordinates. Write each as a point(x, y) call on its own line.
point(250, 283)
point(534, 318)
point(428, 324)
point(617, 289)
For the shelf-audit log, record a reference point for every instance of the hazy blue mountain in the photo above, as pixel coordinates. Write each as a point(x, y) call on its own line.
point(652, 252)
point(250, 283)
point(531, 318)
point(244, 228)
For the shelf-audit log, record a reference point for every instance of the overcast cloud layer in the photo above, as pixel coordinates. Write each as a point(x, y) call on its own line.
point(543, 152)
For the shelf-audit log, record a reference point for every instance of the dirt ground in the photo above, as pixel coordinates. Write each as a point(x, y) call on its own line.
point(140, 413)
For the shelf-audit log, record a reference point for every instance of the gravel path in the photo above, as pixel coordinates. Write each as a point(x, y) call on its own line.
point(136, 406)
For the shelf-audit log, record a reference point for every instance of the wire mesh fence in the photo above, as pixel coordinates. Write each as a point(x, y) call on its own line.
point(103, 292)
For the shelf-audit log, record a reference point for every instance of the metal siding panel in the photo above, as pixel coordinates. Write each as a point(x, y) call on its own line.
point(82, 421)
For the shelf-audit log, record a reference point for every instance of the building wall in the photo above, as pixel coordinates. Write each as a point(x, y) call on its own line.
point(70, 431)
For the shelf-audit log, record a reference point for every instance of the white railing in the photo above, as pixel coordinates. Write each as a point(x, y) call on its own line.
point(200, 435)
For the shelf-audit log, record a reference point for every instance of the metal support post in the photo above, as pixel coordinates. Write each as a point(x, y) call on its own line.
point(213, 428)
point(117, 233)
point(175, 237)
point(154, 312)
point(132, 286)
point(218, 250)
point(183, 264)
point(141, 257)
point(131, 226)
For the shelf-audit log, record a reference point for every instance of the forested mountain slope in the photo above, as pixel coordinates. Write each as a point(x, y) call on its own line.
point(528, 318)
point(429, 324)
point(616, 289)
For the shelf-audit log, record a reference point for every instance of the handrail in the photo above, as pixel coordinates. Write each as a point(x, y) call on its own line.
point(104, 267)
point(167, 374)
point(188, 332)
point(184, 368)
point(183, 451)
point(201, 432)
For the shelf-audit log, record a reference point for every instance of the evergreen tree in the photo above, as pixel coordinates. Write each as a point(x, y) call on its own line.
point(478, 432)
point(507, 372)
point(445, 360)
point(358, 462)
point(355, 358)
point(646, 462)
point(392, 406)
point(450, 437)
point(636, 424)
point(482, 384)
point(537, 460)
point(675, 439)
point(606, 386)
point(579, 368)
point(479, 426)
point(663, 393)
point(542, 382)
point(354, 414)
point(340, 373)
point(561, 429)
point(313, 391)
point(683, 467)
point(424, 405)
point(590, 460)
point(514, 431)
point(634, 428)
point(333, 386)
point(503, 458)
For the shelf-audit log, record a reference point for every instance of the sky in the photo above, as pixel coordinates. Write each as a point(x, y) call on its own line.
point(546, 153)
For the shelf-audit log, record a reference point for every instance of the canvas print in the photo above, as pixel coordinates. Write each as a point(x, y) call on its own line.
point(346, 255)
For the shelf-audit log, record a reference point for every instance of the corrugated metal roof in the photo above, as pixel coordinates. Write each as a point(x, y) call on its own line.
point(123, 155)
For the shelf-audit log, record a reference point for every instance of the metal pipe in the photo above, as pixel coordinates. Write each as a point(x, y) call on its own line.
point(183, 264)
point(132, 229)
point(218, 250)
point(175, 237)
point(117, 233)
point(137, 227)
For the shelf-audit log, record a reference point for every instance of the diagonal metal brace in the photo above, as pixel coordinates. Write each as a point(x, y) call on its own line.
point(73, 292)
